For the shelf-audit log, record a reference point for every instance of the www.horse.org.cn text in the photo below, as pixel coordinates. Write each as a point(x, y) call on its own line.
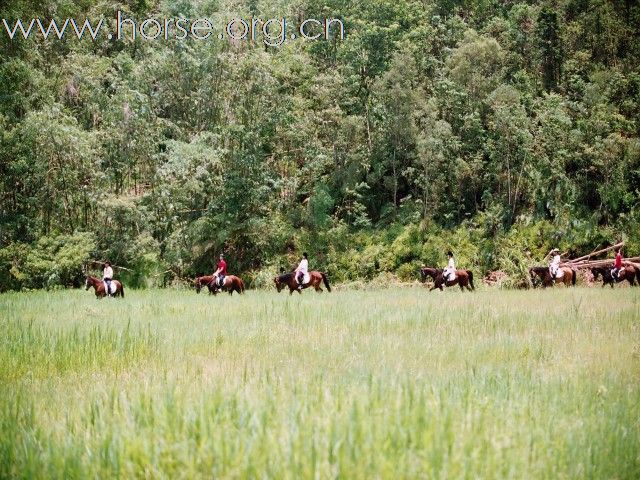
point(272, 32)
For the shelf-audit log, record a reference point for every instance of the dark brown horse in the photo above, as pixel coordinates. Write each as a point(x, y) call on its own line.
point(464, 278)
point(98, 286)
point(626, 273)
point(232, 284)
point(289, 280)
point(569, 276)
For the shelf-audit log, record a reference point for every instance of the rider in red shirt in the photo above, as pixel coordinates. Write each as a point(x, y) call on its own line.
point(617, 266)
point(221, 271)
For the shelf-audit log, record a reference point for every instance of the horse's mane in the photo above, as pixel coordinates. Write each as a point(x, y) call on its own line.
point(539, 268)
point(285, 277)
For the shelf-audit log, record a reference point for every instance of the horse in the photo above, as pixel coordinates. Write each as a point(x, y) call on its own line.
point(98, 286)
point(626, 273)
point(232, 283)
point(569, 276)
point(464, 278)
point(289, 280)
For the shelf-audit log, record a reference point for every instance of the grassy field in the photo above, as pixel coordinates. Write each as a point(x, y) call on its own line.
point(376, 384)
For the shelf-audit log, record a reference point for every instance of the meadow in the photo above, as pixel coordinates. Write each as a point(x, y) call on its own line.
point(352, 384)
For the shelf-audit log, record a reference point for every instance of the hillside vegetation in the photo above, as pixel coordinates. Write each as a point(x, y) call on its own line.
point(496, 128)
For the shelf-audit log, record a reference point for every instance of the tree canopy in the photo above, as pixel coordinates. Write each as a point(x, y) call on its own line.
point(497, 129)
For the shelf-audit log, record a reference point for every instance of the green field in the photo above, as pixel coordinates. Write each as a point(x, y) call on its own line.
point(352, 384)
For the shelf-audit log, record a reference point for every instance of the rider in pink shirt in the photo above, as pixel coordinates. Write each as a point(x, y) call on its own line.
point(221, 270)
point(617, 266)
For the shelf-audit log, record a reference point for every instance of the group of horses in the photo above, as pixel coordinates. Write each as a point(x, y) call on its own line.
point(463, 278)
point(230, 284)
point(568, 276)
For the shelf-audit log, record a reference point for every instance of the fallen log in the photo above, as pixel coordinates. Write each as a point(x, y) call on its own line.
point(586, 257)
point(608, 262)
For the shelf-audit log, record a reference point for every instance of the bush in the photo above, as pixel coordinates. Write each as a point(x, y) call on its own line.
point(49, 262)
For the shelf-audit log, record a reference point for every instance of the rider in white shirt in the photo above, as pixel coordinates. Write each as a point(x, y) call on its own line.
point(107, 276)
point(450, 271)
point(555, 263)
point(301, 270)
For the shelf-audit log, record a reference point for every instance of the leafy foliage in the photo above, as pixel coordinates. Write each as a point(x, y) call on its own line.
point(493, 128)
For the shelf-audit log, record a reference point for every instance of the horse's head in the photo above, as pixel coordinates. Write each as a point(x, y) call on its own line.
point(429, 272)
point(535, 276)
point(87, 283)
point(278, 283)
point(596, 272)
point(198, 284)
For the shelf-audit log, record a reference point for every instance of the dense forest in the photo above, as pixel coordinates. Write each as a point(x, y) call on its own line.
point(496, 128)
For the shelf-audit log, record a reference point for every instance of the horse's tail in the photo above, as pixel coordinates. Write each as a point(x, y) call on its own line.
point(121, 290)
point(470, 273)
point(326, 281)
point(574, 277)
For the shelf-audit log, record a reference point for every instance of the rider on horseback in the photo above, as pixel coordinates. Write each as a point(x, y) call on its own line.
point(617, 265)
point(221, 272)
point(450, 272)
point(301, 270)
point(554, 266)
point(107, 276)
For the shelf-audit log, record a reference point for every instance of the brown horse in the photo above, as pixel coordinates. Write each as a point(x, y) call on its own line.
point(289, 280)
point(626, 273)
point(464, 278)
point(232, 284)
point(98, 286)
point(569, 276)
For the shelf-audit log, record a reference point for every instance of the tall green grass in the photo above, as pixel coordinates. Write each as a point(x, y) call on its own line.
point(377, 384)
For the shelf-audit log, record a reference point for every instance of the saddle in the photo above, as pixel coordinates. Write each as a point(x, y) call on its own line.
point(218, 281)
point(110, 291)
point(306, 278)
point(558, 274)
